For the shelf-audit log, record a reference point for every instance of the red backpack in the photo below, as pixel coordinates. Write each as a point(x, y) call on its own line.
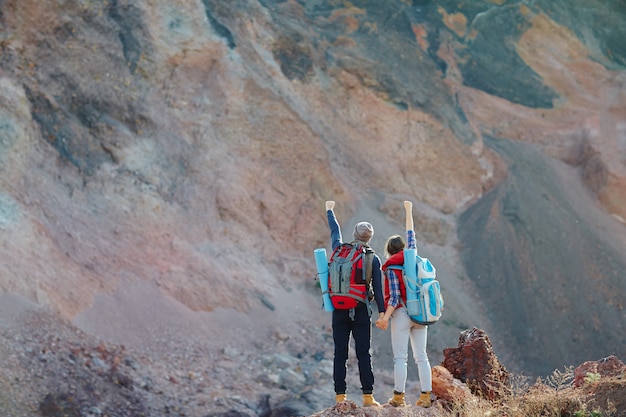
point(349, 279)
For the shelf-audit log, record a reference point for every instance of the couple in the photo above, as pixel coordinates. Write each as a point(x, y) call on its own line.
point(390, 307)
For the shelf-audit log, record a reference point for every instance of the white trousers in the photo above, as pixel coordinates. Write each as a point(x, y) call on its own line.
point(403, 330)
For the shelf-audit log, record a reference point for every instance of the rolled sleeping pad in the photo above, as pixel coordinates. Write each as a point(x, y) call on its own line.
point(410, 273)
point(321, 260)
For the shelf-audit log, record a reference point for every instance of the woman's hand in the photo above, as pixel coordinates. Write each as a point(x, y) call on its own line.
point(382, 323)
point(330, 205)
point(408, 208)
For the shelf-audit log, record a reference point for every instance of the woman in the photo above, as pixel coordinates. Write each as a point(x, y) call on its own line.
point(403, 329)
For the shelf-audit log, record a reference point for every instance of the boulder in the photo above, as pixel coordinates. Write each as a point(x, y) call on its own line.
point(474, 363)
point(448, 388)
point(609, 366)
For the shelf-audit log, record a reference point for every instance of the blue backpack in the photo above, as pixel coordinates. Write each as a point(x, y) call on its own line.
point(424, 302)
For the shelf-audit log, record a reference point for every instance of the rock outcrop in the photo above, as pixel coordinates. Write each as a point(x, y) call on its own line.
point(591, 372)
point(475, 363)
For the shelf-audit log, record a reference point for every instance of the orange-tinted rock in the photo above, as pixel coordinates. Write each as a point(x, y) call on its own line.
point(448, 388)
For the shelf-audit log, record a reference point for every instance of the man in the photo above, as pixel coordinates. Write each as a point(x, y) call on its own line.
point(356, 321)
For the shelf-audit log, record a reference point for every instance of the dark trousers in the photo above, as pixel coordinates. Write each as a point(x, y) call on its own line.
point(361, 329)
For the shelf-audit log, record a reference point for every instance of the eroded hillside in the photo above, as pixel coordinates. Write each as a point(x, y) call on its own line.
point(174, 144)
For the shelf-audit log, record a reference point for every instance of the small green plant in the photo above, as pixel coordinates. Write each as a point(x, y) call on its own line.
point(592, 378)
point(585, 413)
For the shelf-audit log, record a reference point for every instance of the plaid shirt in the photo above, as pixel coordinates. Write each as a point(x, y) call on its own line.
point(394, 282)
point(410, 239)
point(394, 288)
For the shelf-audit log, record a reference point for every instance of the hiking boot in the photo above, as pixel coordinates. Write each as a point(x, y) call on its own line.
point(424, 400)
point(369, 401)
point(397, 400)
point(339, 398)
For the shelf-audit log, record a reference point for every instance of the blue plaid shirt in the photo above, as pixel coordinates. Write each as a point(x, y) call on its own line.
point(410, 239)
point(394, 288)
point(394, 282)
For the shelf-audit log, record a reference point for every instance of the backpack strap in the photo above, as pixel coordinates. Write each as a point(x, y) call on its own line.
point(405, 277)
point(368, 260)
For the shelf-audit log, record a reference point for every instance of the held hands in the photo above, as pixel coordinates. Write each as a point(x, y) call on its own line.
point(330, 205)
point(382, 323)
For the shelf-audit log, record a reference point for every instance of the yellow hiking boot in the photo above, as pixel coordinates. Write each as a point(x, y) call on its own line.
point(424, 400)
point(369, 401)
point(397, 400)
point(339, 398)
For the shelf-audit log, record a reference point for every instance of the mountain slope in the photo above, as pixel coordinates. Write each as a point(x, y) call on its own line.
point(559, 276)
point(184, 150)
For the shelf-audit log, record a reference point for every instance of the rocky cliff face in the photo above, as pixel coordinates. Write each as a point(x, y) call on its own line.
point(188, 147)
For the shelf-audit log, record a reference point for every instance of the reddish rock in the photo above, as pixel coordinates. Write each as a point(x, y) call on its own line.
point(475, 363)
point(609, 366)
point(448, 388)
